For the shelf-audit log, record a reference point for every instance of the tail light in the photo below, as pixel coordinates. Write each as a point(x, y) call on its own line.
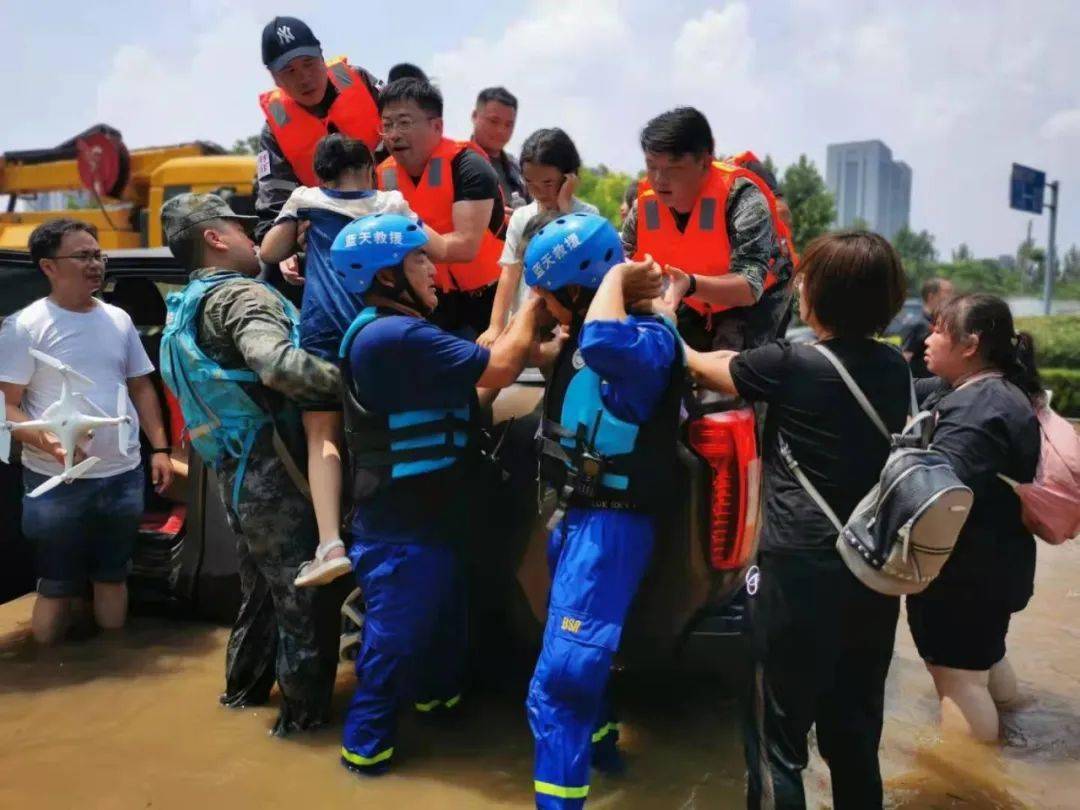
point(175, 418)
point(727, 442)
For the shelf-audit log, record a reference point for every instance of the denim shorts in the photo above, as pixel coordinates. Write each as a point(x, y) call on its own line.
point(83, 531)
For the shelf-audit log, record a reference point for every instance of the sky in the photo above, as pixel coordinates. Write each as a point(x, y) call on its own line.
point(958, 89)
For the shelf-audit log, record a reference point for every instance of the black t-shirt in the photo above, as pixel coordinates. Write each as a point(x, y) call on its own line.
point(915, 345)
point(986, 428)
point(838, 447)
point(475, 179)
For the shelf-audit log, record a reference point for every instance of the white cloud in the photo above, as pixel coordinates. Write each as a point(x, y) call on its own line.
point(958, 96)
point(715, 47)
point(209, 91)
point(1062, 124)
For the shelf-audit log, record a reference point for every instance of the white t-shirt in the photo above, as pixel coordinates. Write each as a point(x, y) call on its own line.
point(103, 345)
point(379, 202)
point(515, 229)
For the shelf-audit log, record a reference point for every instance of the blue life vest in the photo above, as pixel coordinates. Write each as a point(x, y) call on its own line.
point(594, 458)
point(221, 418)
point(394, 447)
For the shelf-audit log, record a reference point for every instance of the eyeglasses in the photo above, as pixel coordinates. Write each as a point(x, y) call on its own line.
point(86, 257)
point(402, 125)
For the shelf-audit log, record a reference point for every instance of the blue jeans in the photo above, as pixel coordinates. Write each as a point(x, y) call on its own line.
point(83, 531)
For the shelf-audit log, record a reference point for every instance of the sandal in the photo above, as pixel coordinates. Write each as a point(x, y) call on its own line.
point(320, 570)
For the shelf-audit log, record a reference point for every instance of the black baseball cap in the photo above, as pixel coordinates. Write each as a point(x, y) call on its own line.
point(286, 38)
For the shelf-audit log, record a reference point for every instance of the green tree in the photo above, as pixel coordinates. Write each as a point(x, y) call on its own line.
point(1070, 264)
point(811, 203)
point(979, 275)
point(245, 146)
point(771, 166)
point(860, 224)
point(604, 189)
point(918, 254)
point(1029, 259)
point(962, 253)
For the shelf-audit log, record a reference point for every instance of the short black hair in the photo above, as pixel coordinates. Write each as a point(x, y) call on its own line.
point(405, 70)
point(932, 286)
point(423, 92)
point(853, 282)
point(499, 94)
point(45, 238)
point(336, 153)
point(551, 147)
point(631, 193)
point(187, 247)
point(763, 171)
point(678, 132)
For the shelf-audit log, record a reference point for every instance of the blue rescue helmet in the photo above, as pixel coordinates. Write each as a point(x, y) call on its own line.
point(573, 249)
point(372, 243)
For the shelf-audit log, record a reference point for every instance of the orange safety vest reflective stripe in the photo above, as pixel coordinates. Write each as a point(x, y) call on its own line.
point(783, 230)
point(432, 199)
point(353, 113)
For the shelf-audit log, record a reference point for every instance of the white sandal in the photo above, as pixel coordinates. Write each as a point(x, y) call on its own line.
point(320, 570)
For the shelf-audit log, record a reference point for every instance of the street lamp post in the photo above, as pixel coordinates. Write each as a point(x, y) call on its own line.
point(1051, 254)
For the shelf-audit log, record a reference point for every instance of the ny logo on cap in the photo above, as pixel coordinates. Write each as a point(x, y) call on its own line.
point(285, 35)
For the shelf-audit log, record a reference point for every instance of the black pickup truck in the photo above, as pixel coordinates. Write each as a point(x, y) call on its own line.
point(688, 609)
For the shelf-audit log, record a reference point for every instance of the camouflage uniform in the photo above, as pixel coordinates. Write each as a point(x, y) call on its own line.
point(753, 245)
point(243, 324)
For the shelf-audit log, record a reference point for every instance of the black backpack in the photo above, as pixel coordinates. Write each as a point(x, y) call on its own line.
point(901, 533)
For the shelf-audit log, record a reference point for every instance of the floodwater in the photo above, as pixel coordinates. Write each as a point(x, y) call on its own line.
point(133, 722)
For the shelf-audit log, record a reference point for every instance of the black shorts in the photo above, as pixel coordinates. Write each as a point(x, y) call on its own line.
point(960, 631)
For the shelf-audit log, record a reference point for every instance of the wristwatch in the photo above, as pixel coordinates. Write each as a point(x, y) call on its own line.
point(693, 285)
point(165, 450)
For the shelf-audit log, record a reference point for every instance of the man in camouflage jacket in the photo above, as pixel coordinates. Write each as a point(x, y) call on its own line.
point(245, 324)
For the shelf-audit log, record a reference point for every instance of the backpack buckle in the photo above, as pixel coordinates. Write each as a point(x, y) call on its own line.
point(590, 469)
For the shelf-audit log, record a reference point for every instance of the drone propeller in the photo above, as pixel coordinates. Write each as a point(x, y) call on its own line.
point(63, 368)
point(64, 477)
point(123, 428)
point(5, 432)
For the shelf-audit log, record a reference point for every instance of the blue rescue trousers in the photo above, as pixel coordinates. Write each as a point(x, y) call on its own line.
point(597, 558)
point(413, 643)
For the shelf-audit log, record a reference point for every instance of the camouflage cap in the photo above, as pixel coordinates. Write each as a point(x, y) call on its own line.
point(181, 212)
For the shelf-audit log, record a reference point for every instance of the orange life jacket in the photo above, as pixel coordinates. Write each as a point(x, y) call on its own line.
point(703, 248)
point(432, 199)
point(353, 113)
point(783, 231)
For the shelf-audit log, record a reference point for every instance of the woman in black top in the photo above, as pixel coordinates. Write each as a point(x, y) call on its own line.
point(821, 640)
point(986, 425)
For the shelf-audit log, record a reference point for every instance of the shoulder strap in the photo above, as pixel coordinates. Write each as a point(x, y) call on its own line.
point(366, 316)
point(804, 482)
point(856, 392)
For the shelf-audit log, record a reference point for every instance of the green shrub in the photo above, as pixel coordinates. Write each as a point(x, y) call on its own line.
point(1065, 383)
point(1057, 340)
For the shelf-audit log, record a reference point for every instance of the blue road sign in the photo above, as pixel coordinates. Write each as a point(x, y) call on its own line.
point(1026, 189)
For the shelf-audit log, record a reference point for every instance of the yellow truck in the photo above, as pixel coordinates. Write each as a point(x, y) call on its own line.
point(126, 189)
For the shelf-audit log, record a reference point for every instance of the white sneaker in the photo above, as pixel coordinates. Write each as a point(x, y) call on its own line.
point(320, 570)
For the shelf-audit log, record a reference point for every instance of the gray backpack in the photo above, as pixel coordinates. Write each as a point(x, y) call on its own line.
point(902, 532)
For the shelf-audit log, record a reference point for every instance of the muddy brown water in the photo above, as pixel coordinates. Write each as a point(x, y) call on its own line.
point(133, 722)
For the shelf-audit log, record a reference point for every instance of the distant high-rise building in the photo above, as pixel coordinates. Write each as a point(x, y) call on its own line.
point(869, 185)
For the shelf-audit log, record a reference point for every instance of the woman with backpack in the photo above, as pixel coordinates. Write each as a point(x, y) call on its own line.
point(821, 640)
point(986, 426)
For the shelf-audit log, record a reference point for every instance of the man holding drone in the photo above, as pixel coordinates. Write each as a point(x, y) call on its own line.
point(72, 358)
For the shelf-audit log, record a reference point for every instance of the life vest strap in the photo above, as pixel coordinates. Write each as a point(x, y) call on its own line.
point(388, 458)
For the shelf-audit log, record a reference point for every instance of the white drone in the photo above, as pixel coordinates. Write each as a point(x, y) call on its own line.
point(70, 425)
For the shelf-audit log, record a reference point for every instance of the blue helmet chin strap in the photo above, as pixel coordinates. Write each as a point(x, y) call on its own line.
point(402, 287)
